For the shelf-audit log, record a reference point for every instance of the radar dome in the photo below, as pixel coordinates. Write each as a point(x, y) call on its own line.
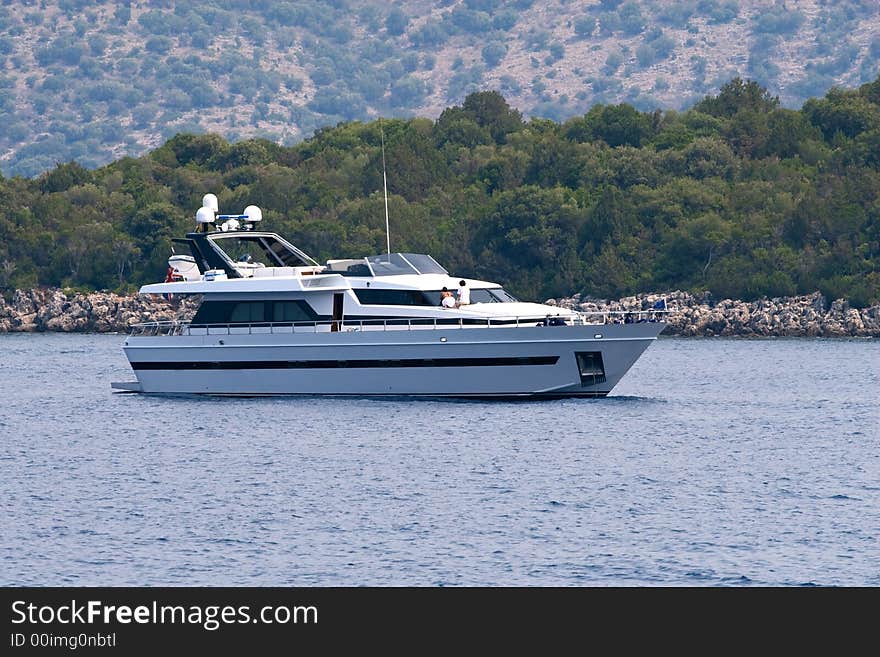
point(210, 201)
point(205, 215)
point(253, 214)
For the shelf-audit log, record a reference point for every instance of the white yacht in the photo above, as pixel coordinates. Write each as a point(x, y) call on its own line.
point(272, 321)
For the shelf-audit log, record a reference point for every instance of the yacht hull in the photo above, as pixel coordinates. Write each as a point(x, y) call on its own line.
point(540, 361)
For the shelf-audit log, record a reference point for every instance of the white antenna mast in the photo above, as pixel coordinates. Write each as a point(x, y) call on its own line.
point(385, 187)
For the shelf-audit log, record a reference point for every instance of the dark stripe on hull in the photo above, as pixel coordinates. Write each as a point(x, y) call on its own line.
point(344, 364)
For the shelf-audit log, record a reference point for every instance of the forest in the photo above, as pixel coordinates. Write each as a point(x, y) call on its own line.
point(93, 80)
point(736, 195)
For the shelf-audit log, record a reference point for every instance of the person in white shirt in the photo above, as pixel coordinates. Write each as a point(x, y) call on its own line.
point(464, 294)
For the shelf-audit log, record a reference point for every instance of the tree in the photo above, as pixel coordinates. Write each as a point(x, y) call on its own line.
point(152, 228)
point(748, 133)
point(787, 131)
point(584, 26)
point(413, 163)
point(747, 200)
point(189, 149)
point(736, 96)
point(871, 90)
point(616, 125)
point(693, 246)
point(396, 22)
point(553, 162)
point(124, 252)
point(708, 157)
point(456, 127)
point(408, 91)
point(844, 112)
point(64, 176)
point(483, 117)
point(529, 240)
point(491, 111)
point(493, 53)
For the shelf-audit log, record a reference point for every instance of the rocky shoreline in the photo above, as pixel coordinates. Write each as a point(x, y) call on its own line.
point(808, 315)
point(50, 309)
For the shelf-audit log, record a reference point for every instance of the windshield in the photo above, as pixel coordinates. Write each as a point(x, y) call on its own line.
point(390, 264)
point(482, 295)
point(501, 295)
point(403, 263)
point(425, 264)
point(349, 267)
point(267, 250)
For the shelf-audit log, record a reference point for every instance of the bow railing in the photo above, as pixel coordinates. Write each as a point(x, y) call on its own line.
point(597, 318)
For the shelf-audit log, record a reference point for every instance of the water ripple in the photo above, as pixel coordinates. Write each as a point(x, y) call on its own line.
point(717, 463)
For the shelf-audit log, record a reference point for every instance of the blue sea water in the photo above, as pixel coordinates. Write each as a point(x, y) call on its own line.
point(715, 462)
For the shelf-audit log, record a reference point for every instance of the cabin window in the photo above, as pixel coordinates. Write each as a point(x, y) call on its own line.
point(291, 311)
point(248, 312)
point(253, 312)
point(213, 312)
point(373, 296)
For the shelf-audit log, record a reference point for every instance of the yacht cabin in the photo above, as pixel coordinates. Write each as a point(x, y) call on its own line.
point(248, 276)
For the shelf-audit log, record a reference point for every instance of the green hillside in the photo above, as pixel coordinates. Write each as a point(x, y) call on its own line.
point(94, 80)
point(736, 195)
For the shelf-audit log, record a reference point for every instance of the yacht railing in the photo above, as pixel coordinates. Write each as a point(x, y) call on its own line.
point(599, 318)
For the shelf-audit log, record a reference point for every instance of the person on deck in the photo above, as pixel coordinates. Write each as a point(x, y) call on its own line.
point(464, 294)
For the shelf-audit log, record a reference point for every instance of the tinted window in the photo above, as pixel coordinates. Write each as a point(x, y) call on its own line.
point(250, 312)
point(246, 312)
point(291, 311)
point(356, 270)
point(214, 312)
point(394, 297)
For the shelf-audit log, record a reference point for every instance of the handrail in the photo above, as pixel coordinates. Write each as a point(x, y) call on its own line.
point(594, 318)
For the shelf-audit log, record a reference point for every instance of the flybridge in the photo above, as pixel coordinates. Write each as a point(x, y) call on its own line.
point(229, 244)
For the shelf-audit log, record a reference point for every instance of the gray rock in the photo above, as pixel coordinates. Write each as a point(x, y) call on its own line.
point(48, 309)
point(805, 315)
